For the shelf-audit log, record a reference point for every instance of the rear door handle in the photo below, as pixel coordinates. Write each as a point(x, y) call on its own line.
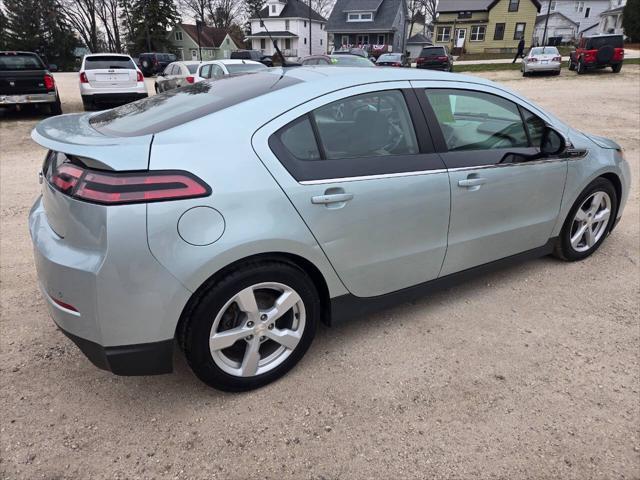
point(332, 198)
point(472, 182)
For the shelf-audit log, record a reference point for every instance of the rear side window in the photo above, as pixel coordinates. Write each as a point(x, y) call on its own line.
point(432, 52)
point(299, 140)
point(192, 68)
point(477, 121)
point(20, 61)
point(111, 62)
point(205, 71)
point(181, 105)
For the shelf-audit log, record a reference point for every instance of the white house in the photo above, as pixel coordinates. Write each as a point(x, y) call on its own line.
point(611, 19)
point(568, 19)
point(297, 30)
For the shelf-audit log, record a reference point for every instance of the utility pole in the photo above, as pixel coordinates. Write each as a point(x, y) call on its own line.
point(198, 24)
point(310, 52)
point(546, 21)
point(146, 25)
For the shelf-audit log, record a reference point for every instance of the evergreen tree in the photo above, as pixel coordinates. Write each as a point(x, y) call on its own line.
point(150, 22)
point(38, 26)
point(631, 20)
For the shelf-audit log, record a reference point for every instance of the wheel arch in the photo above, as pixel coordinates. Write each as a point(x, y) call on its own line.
point(292, 259)
point(617, 185)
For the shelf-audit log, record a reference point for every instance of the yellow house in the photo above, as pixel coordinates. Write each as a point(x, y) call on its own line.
point(485, 26)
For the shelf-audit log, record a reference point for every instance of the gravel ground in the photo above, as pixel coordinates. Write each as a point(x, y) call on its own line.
point(531, 372)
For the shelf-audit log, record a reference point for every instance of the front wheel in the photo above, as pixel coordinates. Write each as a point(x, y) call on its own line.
point(252, 326)
point(589, 221)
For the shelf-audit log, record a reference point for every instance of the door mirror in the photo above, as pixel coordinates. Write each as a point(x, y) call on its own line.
point(553, 142)
point(161, 74)
point(53, 67)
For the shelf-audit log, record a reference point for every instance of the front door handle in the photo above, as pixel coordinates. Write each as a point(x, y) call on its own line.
point(472, 182)
point(331, 198)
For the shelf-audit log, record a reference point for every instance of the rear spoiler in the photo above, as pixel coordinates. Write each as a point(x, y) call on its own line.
point(73, 135)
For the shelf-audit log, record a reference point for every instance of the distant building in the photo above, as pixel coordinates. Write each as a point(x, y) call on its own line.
point(479, 26)
point(296, 30)
point(374, 25)
point(215, 43)
point(416, 43)
point(611, 19)
point(568, 19)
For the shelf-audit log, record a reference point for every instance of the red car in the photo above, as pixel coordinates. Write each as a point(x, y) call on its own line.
point(598, 51)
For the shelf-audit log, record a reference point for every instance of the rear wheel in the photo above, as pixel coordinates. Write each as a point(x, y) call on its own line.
point(580, 67)
point(572, 66)
point(252, 326)
point(616, 68)
point(56, 108)
point(88, 105)
point(589, 221)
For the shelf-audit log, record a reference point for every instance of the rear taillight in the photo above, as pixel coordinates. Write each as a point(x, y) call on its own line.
point(190, 79)
point(443, 58)
point(117, 188)
point(65, 305)
point(140, 77)
point(532, 60)
point(556, 59)
point(397, 64)
point(49, 82)
point(420, 60)
point(83, 78)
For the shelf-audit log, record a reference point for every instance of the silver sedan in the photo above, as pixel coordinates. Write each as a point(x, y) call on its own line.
point(231, 217)
point(542, 59)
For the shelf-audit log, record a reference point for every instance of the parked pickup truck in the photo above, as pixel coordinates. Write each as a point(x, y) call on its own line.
point(26, 80)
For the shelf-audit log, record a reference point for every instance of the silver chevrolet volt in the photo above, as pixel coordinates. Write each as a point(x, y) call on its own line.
point(231, 217)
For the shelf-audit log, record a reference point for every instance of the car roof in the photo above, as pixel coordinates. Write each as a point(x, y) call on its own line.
point(232, 62)
point(107, 54)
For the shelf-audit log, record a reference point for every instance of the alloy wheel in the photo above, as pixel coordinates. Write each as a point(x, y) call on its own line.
point(257, 329)
point(590, 221)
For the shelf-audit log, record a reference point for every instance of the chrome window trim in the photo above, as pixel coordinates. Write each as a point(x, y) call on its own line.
point(373, 177)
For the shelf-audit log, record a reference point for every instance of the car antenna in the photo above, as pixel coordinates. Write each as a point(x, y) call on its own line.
point(275, 45)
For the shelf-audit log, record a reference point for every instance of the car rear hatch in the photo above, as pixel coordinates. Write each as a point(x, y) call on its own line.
point(433, 57)
point(76, 143)
point(21, 73)
point(110, 71)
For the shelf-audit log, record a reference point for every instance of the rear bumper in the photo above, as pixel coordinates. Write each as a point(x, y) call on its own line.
point(143, 359)
point(434, 67)
point(543, 67)
point(6, 100)
point(113, 98)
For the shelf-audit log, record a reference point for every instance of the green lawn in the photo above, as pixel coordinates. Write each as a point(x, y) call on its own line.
point(564, 51)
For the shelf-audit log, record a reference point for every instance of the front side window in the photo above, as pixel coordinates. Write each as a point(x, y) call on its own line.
point(535, 127)
point(477, 121)
point(514, 5)
point(444, 34)
point(519, 31)
point(477, 33)
point(499, 32)
point(205, 71)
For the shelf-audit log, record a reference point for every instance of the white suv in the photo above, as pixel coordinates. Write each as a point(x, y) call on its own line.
point(110, 79)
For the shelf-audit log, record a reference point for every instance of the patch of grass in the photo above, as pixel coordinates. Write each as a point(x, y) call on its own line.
point(494, 67)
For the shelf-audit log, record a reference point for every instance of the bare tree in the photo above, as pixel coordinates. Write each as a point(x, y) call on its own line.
point(82, 16)
point(415, 7)
point(430, 8)
point(224, 13)
point(108, 13)
point(197, 9)
point(323, 7)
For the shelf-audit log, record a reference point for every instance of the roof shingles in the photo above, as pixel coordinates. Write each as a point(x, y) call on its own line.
point(383, 18)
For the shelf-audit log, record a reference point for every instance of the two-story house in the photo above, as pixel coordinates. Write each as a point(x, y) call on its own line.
point(297, 30)
point(377, 26)
point(567, 19)
point(611, 19)
point(479, 26)
point(214, 43)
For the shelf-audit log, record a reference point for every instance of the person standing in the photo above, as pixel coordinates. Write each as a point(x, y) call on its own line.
point(520, 53)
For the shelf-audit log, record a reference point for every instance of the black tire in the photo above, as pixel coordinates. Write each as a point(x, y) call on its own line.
point(580, 68)
point(572, 66)
point(200, 316)
point(616, 68)
point(563, 248)
point(88, 106)
point(556, 73)
point(55, 108)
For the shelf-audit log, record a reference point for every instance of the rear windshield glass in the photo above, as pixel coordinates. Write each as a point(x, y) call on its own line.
point(595, 43)
point(389, 57)
point(20, 61)
point(182, 105)
point(432, 52)
point(166, 57)
point(350, 61)
point(241, 55)
point(193, 68)
point(109, 62)
point(245, 67)
point(544, 51)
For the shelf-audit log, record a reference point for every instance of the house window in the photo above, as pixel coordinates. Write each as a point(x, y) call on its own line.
point(322, 26)
point(305, 23)
point(477, 33)
point(587, 12)
point(444, 34)
point(320, 42)
point(519, 32)
point(499, 32)
point(263, 43)
point(287, 43)
point(360, 17)
point(273, 9)
point(179, 36)
point(380, 39)
point(286, 25)
point(305, 40)
point(513, 5)
point(579, 6)
point(552, 7)
point(464, 14)
point(362, 40)
point(345, 39)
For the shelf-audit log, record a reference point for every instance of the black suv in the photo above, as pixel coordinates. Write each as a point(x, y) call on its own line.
point(254, 55)
point(435, 58)
point(152, 63)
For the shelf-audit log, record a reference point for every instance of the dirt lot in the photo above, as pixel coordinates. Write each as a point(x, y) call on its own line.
point(532, 372)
